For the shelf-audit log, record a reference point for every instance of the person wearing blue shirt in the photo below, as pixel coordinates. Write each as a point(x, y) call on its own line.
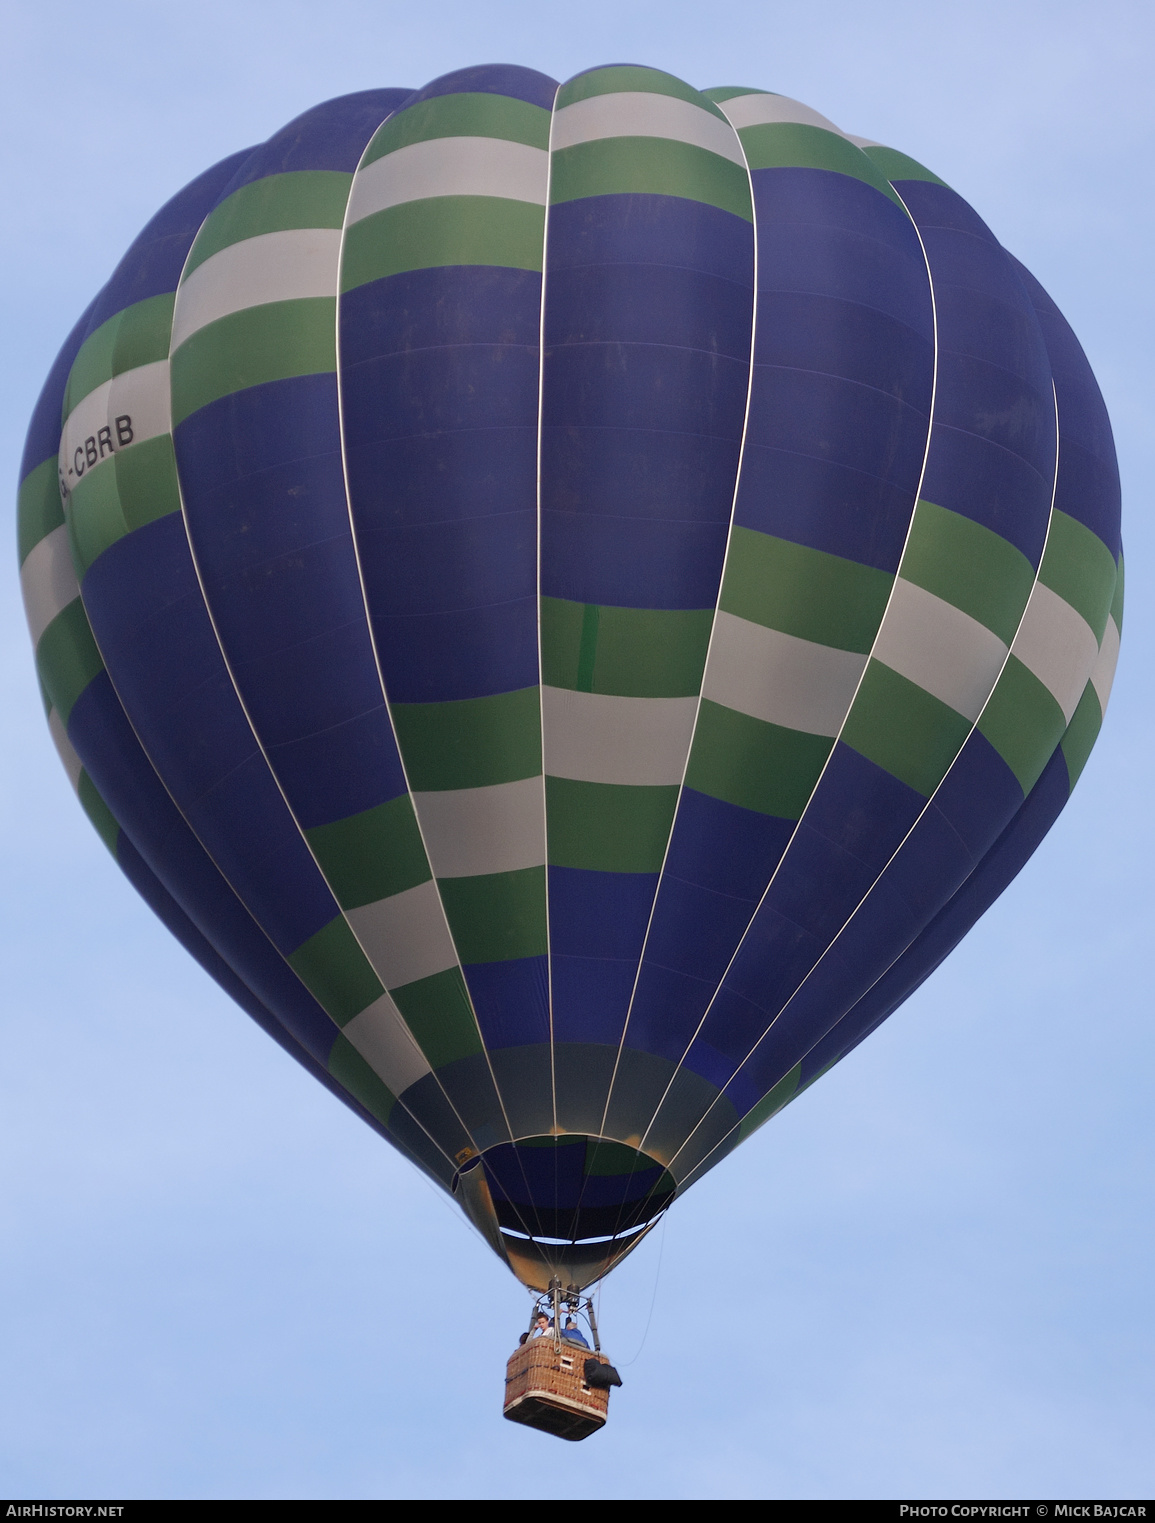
point(573, 1334)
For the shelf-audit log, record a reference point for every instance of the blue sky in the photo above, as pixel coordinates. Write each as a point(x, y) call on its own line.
point(928, 1277)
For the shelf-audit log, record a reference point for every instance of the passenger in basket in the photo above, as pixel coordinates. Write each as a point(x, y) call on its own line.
point(572, 1333)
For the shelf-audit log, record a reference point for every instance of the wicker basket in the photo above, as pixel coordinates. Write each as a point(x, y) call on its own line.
point(545, 1388)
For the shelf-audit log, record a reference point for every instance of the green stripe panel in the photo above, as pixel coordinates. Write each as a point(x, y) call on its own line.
point(351, 1071)
point(372, 855)
point(796, 145)
point(1082, 733)
point(803, 592)
point(438, 1013)
point(1117, 599)
point(139, 335)
point(899, 166)
point(901, 727)
point(621, 78)
point(732, 92)
point(336, 972)
point(754, 764)
point(470, 742)
point(270, 342)
point(67, 658)
point(608, 827)
point(302, 198)
point(38, 507)
point(1023, 722)
point(770, 1104)
point(103, 820)
point(649, 166)
point(633, 652)
point(132, 488)
point(969, 566)
point(443, 230)
point(464, 115)
point(1079, 567)
point(495, 917)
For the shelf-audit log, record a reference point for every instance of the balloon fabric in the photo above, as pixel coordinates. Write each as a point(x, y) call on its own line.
point(569, 601)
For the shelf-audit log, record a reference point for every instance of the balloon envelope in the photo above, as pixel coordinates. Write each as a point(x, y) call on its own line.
point(569, 601)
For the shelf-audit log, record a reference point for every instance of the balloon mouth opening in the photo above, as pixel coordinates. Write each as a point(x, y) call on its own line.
point(573, 1189)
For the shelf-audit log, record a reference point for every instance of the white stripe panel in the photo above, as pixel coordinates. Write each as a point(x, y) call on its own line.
point(286, 266)
point(382, 1038)
point(1103, 672)
point(603, 738)
point(499, 829)
point(450, 166)
point(72, 763)
point(141, 395)
point(1058, 646)
point(48, 581)
point(941, 649)
point(641, 113)
point(777, 677)
point(405, 936)
point(758, 110)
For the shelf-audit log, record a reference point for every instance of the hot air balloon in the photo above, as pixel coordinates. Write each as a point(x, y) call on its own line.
point(569, 601)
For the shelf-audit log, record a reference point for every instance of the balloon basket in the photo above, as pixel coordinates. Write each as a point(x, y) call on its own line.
point(546, 1388)
point(558, 1383)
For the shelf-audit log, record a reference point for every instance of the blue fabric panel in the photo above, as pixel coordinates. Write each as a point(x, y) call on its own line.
point(439, 390)
point(833, 235)
point(720, 860)
point(857, 818)
point(591, 996)
point(42, 441)
point(636, 230)
point(126, 780)
point(649, 304)
point(596, 912)
point(493, 79)
point(332, 135)
point(1088, 484)
point(511, 1000)
point(696, 930)
point(455, 386)
point(997, 489)
point(154, 632)
point(540, 1175)
point(646, 389)
point(453, 565)
point(439, 657)
point(844, 367)
point(262, 428)
point(992, 452)
point(979, 795)
point(437, 478)
point(736, 1023)
point(724, 847)
point(631, 562)
point(991, 403)
point(276, 556)
point(998, 868)
point(840, 422)
point(597, 924)
point(438, 308)
point(859, 807)
point(667, 1010)
point(824, 505)
point(803, 330)
point(153, 263)
point(606, 472)
point(647, 325)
